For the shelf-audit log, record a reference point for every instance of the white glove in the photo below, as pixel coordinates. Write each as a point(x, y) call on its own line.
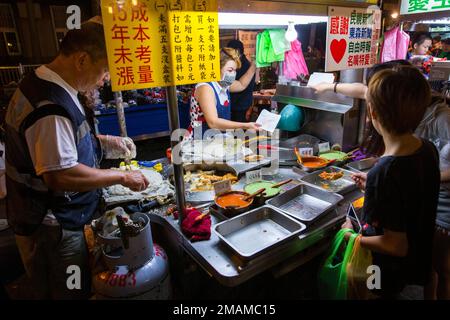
point(118, 147)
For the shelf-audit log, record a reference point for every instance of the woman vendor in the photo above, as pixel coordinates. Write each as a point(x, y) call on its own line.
point(210, 102)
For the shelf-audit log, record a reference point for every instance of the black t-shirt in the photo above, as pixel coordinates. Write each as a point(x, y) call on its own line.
point(241, 101)
point(402, 195)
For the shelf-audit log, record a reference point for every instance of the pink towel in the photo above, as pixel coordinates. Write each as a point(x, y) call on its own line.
point(294, 62)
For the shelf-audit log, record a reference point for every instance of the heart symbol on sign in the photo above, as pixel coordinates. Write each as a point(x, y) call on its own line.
point(338, 49)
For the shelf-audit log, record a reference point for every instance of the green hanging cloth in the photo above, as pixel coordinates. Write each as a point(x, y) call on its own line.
point(279, 43)
point(271, 56)
point(261, 51)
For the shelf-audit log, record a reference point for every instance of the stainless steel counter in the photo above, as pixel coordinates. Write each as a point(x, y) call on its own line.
point(222, 264)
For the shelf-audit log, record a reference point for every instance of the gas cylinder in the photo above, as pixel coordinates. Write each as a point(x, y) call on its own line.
point(137, 268)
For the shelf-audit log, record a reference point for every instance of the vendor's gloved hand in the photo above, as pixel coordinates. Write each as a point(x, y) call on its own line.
point(118, 147)
point(135, 181)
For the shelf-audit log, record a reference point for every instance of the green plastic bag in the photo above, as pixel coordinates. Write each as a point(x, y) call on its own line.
point(333, 274)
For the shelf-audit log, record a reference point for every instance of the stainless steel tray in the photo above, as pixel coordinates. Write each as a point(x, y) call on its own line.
point(341, 186)
point(257, 231)
point(305, 202)
point(362, 165)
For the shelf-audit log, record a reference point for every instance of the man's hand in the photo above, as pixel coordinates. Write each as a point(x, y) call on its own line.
point(360, 180)
point(135, 180)
point(118, 147)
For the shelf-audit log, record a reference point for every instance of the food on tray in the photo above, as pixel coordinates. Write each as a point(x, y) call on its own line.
point(158, 187)
point(254, 158)
point(334, 175)
point(233, 199)
point(204, 180)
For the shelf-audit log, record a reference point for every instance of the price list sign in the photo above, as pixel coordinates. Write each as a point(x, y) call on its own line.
point(195, 44)
point(352, 38)
point(154, 43)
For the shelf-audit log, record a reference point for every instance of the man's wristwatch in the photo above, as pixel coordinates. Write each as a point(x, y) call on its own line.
point(335, 87)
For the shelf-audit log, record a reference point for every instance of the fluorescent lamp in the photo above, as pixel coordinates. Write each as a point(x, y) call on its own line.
point(235, 20)
point(440, 21)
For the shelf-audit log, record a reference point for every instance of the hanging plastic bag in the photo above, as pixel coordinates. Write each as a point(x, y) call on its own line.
point(333, 274)
point(360, 259)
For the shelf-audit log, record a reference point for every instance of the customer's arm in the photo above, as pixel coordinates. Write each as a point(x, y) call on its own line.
point(207, 100)
point(82, 178)
point(244, 81)
point(390, 243)
point(352, 90)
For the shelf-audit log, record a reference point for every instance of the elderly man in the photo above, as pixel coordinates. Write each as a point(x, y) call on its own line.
point(52, 157)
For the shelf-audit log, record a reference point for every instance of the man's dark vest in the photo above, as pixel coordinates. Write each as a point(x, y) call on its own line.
point(29, 199)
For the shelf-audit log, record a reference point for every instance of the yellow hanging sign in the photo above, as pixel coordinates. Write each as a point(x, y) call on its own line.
point(154, 43)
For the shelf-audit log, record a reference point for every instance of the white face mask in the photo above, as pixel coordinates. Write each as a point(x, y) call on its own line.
point(227, 79)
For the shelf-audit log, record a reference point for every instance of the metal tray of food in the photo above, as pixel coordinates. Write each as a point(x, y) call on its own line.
point(342, 185)
point(257, 231)
point(305, 202)
point(362, 165)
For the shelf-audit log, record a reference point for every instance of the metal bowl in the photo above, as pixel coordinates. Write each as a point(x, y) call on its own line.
point(311, 169)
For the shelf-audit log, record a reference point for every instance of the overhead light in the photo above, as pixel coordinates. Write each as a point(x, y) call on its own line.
point(256, 20)
point(394, 15)
point(440, 21)
point(134, 2)
point(291, 33)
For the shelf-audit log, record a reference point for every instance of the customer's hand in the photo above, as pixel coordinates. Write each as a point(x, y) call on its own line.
point(118, 147)
point(360, 179)
point(322, 87)
point(253, 126)
point(347, 224)
point(135, 180)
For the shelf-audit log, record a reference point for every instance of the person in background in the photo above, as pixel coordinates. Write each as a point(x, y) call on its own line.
point(241, 101)
point(401, 191)
point(436, 47)
point(445, 49)
point(210, 102)
point(420, 45)
point(52, 157)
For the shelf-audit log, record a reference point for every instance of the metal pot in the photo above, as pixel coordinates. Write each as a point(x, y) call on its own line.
point(311, 169)
point(232, 211)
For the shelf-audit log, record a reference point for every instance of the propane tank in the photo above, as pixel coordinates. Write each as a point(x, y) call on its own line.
point(137, 268)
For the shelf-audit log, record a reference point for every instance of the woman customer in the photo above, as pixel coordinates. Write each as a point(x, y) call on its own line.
point(210, 102)
point(435, 127)
point(401, 191)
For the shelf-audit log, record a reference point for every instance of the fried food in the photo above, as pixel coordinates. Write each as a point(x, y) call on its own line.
point(204, 180)
point(254, 158)
point(335, 175)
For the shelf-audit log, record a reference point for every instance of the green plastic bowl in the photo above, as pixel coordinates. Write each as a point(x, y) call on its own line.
point(255, 186)
point(334, 155)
